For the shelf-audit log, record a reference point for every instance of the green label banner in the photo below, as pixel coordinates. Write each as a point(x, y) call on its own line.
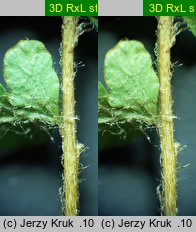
point(169, 7)
point(71, 7)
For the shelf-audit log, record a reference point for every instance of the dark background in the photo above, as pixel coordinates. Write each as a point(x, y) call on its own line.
point(129, 174)
point(30, 175)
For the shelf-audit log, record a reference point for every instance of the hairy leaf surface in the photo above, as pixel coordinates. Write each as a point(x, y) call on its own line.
point(131, 95)
point(33, 85)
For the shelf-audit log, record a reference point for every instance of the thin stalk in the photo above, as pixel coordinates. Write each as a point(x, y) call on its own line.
point(166, 132)
point(70, 147)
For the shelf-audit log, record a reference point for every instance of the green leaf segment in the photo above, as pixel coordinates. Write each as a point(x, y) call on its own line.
point(191, 21)
point(32, 83)
point(132, 86)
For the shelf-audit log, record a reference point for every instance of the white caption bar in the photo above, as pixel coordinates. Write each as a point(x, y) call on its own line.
point(146, 224)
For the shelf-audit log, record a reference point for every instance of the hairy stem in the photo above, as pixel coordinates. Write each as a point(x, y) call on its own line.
point(71, 151)
point(168, 151)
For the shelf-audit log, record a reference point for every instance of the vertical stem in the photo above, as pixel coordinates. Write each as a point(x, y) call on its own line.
point(68, 127)
point(168, 153)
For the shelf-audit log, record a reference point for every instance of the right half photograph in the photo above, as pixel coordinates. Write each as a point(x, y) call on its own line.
point(146, 116)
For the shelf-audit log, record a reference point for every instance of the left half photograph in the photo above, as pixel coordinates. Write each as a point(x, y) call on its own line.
point(48, 116)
